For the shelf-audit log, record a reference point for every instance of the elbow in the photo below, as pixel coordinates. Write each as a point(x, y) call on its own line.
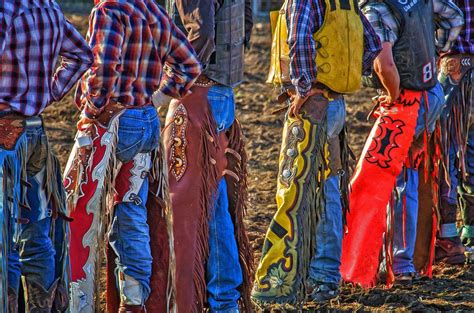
point(384, 68)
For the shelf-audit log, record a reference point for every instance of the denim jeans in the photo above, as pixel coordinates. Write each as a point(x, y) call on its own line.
point(224, 274)
point(129, 236)
point(405, 233)
point(451, 193)
point(324, 267)
point(34, 255)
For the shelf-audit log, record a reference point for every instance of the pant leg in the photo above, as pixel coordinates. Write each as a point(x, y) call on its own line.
point(466, 193)
point(448, 193)
point(326, 262)
point(224, 274)
point(130, 238)
point(36, 249)
point(405, 224)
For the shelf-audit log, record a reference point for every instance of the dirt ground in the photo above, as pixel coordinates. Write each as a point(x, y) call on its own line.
point(452, 289)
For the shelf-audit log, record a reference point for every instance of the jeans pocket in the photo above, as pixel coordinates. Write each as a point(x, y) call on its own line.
point(221, 100)
point(129, 144)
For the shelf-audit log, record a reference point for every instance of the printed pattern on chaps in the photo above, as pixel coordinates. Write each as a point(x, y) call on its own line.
point(178, 159)
point(131, 177)
point(385, 141)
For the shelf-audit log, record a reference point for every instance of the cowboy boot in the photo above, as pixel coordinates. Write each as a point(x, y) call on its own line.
point(61, 299)
point(131, 295)
point(12, 301)
point(37, 298)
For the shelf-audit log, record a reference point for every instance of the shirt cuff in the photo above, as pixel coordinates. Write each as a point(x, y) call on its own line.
point(302, 85)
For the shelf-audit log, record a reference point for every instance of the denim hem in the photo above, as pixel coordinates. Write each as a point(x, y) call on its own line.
point(318, 279)
point(404, 269)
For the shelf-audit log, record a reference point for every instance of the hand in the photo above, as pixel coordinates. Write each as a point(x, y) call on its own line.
point(385, 99)
point(84, 123)
point(297, 101)
point(453, 35)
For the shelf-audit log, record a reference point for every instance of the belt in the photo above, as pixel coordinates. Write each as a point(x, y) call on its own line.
point(28, 121)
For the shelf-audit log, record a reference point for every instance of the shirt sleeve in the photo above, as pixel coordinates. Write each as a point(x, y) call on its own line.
point(183, 66)
point(106, 37)
point(76, 59)
point(447, 14)
point(197, 17)
point(382, 21)
point(372, 46)
point(7, 10)
point(300, 20)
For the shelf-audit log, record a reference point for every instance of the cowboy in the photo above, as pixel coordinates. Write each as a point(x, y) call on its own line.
point(207, 162)
point(301, 253)
point(409, 103)
point(457, 77)
point(141, 61)
point(34, 36)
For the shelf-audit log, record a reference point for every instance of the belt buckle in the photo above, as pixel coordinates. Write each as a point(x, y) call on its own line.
point(33, 122)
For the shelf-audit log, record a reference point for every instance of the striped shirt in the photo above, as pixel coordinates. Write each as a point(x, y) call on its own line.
point(305, 17)
point(447, 16)
point(465, 41)
point(33, 35)
point(132, 41)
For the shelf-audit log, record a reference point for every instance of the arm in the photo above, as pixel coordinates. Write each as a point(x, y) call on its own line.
point(301, 16)
point(198, 20)
point(106, 37)
point(300, 20)
point(450, 20)
point(76, 59)
point(372, 46)
point(387, 72)
point(181, 60)
point(6, 16)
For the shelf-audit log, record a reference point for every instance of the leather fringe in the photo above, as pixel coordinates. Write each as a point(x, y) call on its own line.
point(209, 183)
point(238, 205)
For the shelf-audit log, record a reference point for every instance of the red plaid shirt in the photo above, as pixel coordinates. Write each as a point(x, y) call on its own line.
point(33, 35)
point(132, 40)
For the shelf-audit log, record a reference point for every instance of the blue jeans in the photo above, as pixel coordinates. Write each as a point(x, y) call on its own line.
point(324, 267)
point(224, 274)
point(34, 255)
point(138, 135)
point(405, 233)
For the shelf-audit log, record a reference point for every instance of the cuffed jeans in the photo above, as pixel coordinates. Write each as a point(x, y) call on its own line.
point(325, 265)
point(224, 274)
point(129, 236)
point(407, 190)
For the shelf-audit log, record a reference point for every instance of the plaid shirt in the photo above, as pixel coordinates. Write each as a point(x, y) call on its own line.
point(465, 41)
point(447, 16)
point(33, 34)
point(304, 18)
point(131, 41)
